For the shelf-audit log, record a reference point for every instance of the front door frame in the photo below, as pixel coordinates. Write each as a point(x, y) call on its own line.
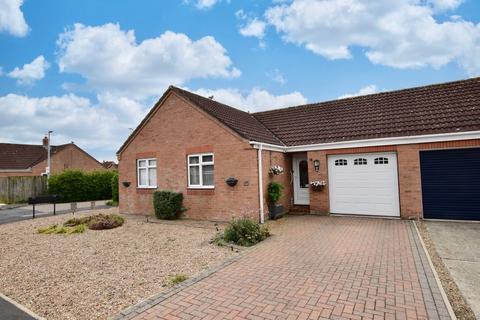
point(301, 195)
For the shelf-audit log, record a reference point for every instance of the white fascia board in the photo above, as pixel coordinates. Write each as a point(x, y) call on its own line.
point(268, 146)
point(453, 136)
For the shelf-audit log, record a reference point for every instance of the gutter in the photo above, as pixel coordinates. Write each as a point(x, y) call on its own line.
point(388, 141)
point(260, 183)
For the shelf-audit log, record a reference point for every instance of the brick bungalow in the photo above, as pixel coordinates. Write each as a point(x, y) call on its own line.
point(410, 153)
point(31, 160)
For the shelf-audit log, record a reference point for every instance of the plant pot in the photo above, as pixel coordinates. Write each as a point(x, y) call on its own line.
point(275, 211)
point(320, 188)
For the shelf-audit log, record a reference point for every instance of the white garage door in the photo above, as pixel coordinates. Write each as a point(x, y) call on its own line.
point(365, 184)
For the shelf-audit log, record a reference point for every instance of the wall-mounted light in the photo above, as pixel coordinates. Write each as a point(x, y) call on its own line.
point(316, 165)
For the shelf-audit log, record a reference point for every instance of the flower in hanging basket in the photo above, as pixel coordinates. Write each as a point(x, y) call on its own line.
point(318, 185)
point(275, 170)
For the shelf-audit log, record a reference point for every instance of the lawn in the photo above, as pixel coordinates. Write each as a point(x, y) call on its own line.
point(96, 274)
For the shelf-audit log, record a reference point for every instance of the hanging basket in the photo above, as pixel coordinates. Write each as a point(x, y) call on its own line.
point(318, 185)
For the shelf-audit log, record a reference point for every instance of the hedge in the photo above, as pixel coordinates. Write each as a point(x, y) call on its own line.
point(76, 186)
point(168, 205)
point(115, 187)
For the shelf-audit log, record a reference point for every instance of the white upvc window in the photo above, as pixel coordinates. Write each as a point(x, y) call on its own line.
point(147, 173)
point(200, 171)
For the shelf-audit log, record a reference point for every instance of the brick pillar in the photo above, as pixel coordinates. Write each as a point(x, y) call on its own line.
point(409, 178)
point(319, 202)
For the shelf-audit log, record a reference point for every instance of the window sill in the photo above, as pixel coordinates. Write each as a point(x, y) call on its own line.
point(200, 188)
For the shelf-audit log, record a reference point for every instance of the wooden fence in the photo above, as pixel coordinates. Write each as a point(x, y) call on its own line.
point(18, 189)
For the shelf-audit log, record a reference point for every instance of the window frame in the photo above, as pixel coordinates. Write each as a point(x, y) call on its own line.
point(200, 165)
point(148, 168)
point(360, 162)
point(381, 160)
point(341, 162)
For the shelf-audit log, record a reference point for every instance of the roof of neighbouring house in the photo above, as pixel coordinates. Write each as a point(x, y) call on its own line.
point(439, 108)
point(24, 156)
point(109, 164)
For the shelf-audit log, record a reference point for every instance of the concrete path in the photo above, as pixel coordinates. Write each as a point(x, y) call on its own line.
point(458, 244)
point(43, 210)
point(313, 268)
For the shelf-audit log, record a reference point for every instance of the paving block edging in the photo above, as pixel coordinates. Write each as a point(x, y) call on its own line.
point(435, 274)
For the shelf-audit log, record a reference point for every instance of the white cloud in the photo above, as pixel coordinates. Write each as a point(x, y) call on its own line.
point(11, 18)
point(205, 4)
point(111, 60)
point(254, 28)
point(30, 72)
point(396, 33)
point(98, 127)
point(363, 91)
point(255, 100)
point(277, 76)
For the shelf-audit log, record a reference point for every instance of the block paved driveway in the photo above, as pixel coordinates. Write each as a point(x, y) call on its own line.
point(314, 268)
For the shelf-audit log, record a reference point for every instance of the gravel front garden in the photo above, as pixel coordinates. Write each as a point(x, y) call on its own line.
point(96, 274)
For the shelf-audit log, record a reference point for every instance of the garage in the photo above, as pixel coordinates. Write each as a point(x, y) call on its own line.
point(451, 184)
point(364, 184)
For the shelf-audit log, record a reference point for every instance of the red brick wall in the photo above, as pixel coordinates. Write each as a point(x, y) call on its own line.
point(272, 158)
point(70, 157)
point(175, 130)
point(409, 177)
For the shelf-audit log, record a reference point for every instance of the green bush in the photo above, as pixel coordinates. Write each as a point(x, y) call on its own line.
point(115, 187)
point(245, 232)
point(76, 186)
point(274, 192)
point(168, 205)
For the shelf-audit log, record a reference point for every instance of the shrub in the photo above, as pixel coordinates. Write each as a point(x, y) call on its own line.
point(115, 187)
point(56, 229)
point(112, 203)
point(103, 222)
point(168, 205)
point(76, 186)
point(274, 192)
point(76, 221)
point(245, 232)
point(79, 225)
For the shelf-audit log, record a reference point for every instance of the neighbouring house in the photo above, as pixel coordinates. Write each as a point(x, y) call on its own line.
point(110, 165)
point(31, 160)
point(410, 153)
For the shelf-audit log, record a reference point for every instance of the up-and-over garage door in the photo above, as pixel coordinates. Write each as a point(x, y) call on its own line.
point(364, 184)
point(451, 183)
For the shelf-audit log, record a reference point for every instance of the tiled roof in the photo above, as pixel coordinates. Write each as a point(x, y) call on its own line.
point(442, 108)
point(23, 156)
point(242, 122)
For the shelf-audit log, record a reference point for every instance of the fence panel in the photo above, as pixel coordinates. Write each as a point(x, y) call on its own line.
point(18, 189)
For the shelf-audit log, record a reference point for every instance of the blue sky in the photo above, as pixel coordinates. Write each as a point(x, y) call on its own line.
point(90, 70)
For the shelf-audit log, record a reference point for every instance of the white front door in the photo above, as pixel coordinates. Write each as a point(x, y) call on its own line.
point(365, 184)
point(300, 180)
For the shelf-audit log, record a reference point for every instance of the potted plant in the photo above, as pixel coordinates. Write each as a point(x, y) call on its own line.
point(318, 185)
point(274, 194)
